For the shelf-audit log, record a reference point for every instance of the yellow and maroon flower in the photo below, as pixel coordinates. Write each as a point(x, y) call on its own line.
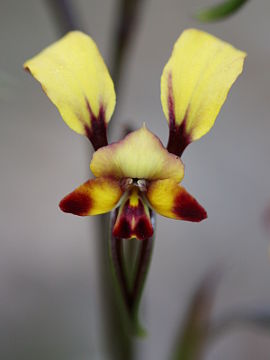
point(137, 175)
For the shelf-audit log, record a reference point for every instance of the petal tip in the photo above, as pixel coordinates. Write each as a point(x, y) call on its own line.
point(26, 67)
point(202, 215)
point(76, 204)
point(188, 208)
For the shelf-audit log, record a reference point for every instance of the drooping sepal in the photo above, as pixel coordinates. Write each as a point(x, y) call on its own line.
point(96, 196)
point(75, 78)
point(194, 85)
point(130, 262)
point(133, 218)
point(170, 199)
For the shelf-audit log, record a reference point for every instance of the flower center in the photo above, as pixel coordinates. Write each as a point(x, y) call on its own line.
point(141, 183)
point(128, 183)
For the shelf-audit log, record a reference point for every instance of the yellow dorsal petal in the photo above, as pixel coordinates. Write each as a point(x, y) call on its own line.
point(76, 79)
point(196, 80)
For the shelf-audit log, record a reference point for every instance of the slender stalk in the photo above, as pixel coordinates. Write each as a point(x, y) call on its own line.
point(117, 337)
point(129, 274)
point(122, 37)
point(65, 17)
point(116, 328)
point(120, 344)
point(127, 15)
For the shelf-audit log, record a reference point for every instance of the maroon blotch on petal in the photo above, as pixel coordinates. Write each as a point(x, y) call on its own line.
point(178, 136)
point(76, 203)
point(97, 133)
point(187, 208)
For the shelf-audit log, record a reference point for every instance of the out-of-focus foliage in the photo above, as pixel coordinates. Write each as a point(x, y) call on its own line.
point(220, 11)
point(191, 342)
point(256, 317)
point(199, 330)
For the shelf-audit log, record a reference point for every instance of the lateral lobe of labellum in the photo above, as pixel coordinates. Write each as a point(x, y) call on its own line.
point(97, 131)
point(178, 137)
point(133, 221)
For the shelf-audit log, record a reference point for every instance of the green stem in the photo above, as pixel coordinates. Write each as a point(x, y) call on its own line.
point(129, 280)
point(143, 266)
point(118, 338)
point(116, 325)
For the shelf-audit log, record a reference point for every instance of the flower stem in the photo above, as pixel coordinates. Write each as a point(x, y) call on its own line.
point(119, 342)
point(116, 324)
point(64, 13)
point(130, 261)
point(127, 15)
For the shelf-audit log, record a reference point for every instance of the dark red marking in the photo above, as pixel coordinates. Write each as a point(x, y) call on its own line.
point(76, 203)
point(131, 291)
point(178, 137)
point(26, 68)
point(97, 133)
point(142, 227)
point(188, 208)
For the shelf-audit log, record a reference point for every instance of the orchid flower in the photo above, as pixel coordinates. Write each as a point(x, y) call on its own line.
point(137, 175)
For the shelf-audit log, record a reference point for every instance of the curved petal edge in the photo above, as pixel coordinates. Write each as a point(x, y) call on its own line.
point(96, 196)
point(170, 199)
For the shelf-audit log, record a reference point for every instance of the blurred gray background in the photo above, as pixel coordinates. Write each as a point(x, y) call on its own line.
point(49, 298)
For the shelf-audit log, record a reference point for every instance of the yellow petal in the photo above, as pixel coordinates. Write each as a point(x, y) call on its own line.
point(139, 155)
point(196, 80)
point(76, 79)
point(96, 196)
point(172, 200)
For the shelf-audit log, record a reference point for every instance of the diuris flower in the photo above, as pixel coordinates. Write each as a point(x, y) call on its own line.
point(134, 173)
point(137, 174)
